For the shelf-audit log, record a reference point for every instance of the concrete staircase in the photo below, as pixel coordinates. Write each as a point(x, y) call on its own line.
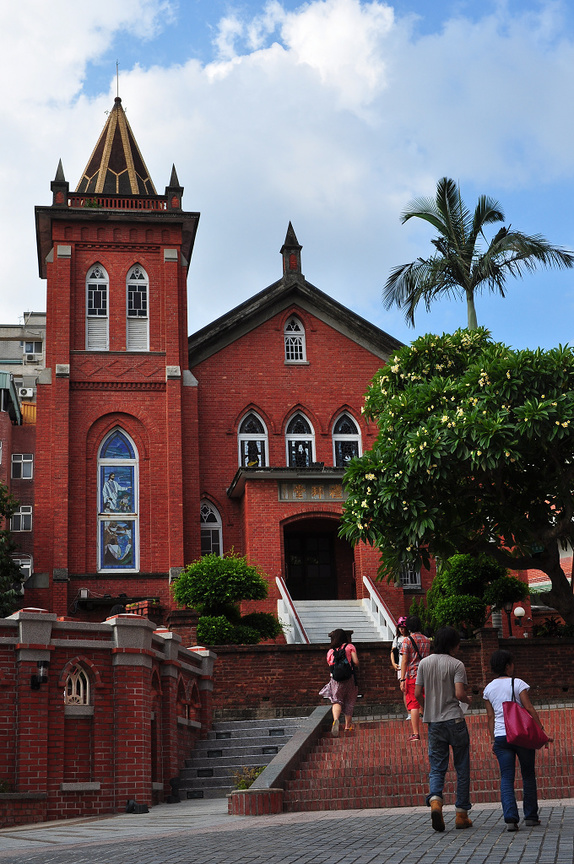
point(375, 766)
point(230, 747)
point(319, 617)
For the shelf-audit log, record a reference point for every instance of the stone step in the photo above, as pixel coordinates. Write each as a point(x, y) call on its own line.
point(207, 749)
point(230, 747)
point(249, 757)
point(247, 728)
point(320, 617)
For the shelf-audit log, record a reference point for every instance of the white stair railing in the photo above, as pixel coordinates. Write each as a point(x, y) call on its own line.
point(379, 611)
point(293, 628)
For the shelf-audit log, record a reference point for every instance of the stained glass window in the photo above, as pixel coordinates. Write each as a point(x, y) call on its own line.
point(118, 503)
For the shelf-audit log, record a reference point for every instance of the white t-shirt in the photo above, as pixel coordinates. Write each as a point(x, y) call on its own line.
point(499, 691)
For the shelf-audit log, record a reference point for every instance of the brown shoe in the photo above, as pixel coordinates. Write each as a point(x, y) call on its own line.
point(436, 814)
point(462, 820)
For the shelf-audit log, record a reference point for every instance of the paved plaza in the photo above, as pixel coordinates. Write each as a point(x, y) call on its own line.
point(200, 832)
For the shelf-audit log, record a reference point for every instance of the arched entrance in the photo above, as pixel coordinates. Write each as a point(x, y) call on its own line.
point(318, 564)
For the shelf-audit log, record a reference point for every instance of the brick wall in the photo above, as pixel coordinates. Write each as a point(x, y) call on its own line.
point(128, 742)
point(265, 680)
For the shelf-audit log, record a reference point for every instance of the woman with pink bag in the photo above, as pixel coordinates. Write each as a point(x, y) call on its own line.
point(499, 691)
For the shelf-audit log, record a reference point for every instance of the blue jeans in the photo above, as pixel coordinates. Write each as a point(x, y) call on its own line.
point(442, 736)
point(506, 754)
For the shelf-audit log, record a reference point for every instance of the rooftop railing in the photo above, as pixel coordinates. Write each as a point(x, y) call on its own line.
point(117, 202)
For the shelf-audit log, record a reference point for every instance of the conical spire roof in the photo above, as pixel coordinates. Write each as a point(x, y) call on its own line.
point(291, 252)
point(116, 166)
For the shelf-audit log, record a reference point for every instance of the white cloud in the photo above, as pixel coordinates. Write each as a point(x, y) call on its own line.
point(333, 115)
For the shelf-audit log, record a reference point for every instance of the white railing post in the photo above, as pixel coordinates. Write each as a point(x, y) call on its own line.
point(287, 614)
point(379, 611)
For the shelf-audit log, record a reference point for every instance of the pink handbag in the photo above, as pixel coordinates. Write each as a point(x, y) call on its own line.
point(521, 729)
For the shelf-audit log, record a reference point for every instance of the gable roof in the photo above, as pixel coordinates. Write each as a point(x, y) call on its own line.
point(292, 289)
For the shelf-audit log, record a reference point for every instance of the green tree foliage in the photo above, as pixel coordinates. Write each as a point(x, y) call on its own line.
point(475, 454)
point(463, 266)
point(10, 575)
point(464, 589)
point(215, 587)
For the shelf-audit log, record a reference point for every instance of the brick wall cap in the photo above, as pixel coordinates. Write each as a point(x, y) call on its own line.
point(71, 624)
point(29, 612)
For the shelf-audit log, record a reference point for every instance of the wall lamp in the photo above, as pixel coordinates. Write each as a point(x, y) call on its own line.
point(519, 614)
point(42, 676)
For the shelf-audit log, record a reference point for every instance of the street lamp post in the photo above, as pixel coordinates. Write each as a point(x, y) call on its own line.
point(508, 609)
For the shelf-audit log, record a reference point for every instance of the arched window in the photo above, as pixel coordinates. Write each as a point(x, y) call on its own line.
point(300, 441)
point(294, 335)
point(137, 334)
point(97, 314)
point(252, 442)
point(77, 687)
point(211, 533)
point(346, 441)
point(118, 503)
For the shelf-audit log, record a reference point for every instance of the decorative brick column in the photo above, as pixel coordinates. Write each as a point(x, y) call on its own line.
point(34, 635)
point(169, 675)
point(132, 664)
point(184, 623)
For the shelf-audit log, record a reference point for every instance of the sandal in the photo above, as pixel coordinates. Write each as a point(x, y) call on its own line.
point(414, 738)
point(349, 728)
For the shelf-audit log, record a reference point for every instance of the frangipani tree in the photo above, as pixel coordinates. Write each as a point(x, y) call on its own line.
point(475, 454)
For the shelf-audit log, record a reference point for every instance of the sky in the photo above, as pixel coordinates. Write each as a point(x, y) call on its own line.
point(331, 114)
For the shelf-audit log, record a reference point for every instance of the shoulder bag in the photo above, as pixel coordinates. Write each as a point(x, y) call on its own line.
point(521, 728)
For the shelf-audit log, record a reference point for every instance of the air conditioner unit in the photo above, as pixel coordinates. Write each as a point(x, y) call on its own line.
point(26, 392)
point(32, 358)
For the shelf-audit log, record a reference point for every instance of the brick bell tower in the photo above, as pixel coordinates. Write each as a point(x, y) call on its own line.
point(116, 463)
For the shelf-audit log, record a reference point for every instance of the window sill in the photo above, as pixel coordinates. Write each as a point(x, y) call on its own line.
point(192, 724)
point(297, 363)
point(78, 710)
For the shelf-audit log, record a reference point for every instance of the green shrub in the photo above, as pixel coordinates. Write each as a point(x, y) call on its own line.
point(461, 611)
point(215, 585)
point(247, 776)
point(552, 628)
point(265, 623)
point(465, 574)
point(506, 589)
point(243, 635)
point(215, 630)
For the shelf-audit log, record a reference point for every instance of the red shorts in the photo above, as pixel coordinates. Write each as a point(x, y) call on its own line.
point(411, 702)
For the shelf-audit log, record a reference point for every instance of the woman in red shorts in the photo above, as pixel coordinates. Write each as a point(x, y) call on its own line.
point(413, 649)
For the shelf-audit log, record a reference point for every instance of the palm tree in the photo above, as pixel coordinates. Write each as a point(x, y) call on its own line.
point(460, 267)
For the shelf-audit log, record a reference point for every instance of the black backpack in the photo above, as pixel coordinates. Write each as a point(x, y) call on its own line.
point(341, 668)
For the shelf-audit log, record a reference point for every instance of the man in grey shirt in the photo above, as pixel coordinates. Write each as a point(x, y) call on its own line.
point(441, 683)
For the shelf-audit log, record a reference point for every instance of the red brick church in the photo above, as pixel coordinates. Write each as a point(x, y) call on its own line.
point(154, 447)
